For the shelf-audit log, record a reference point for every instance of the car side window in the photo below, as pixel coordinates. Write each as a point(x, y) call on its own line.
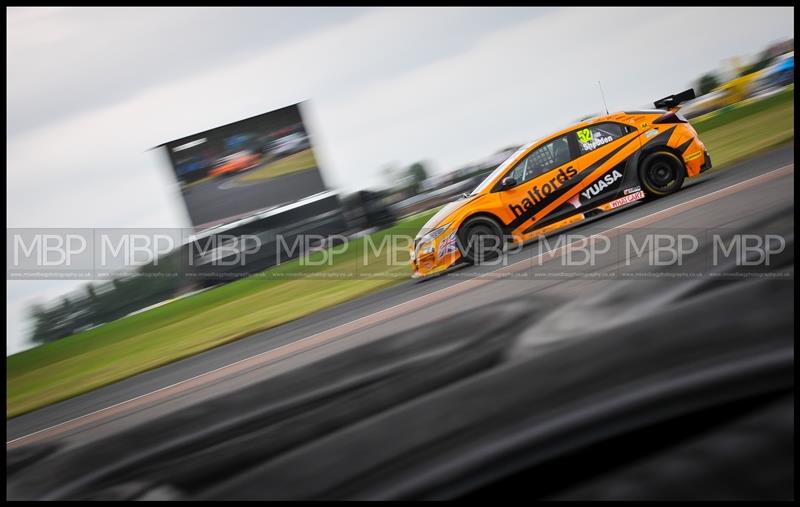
point(595, 136)
point(546, 157)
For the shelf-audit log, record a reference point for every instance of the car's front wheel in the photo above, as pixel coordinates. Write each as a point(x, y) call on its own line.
point(480, 240)
point(661, 173)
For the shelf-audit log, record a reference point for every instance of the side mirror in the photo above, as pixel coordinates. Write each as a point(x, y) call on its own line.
point(508, 182)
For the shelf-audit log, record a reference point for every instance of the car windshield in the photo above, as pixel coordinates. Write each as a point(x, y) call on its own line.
point(500, 169)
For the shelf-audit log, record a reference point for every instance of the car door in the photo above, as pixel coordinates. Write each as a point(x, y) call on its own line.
point(539, 177)
point(602, 151)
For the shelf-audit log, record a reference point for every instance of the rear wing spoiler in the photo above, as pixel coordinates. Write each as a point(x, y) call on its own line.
point(673, 101)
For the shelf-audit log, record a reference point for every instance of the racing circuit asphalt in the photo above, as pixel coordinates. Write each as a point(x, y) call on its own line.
point(719, 199)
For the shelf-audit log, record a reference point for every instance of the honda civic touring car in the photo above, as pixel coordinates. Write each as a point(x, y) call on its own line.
point(596, 166)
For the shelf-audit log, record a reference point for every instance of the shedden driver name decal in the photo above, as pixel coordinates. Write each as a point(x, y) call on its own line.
point(536, 194)
point(590, 141)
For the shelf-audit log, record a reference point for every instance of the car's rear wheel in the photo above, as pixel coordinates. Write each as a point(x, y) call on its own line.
point(661, 173)
point(480, 240)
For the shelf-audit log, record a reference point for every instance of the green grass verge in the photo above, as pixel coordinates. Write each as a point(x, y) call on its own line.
point(737, 133)
point(120, 349)
point(299, 161)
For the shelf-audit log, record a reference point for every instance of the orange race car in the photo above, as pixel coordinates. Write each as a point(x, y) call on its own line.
point(592, 167)
point(232, 164)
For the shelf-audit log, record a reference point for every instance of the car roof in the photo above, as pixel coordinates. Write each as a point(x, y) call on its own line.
point(524, 150)
point(618, 116)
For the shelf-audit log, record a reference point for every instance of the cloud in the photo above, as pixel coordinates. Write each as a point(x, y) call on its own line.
point(61, 61)
point(91, 169)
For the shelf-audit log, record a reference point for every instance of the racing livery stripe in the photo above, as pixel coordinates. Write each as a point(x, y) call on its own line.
point(661, 138)
point(551, 220)
point(561, 213)
point(685, 146)
point(567, 186)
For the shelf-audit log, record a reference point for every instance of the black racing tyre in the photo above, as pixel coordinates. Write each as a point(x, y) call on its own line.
point(661, 173)
point(480, 239)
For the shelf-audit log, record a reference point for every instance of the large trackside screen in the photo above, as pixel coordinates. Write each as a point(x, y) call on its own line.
point(239, 169)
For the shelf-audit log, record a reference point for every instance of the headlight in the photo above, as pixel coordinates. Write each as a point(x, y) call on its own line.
point(430, 236)
point(425, 243)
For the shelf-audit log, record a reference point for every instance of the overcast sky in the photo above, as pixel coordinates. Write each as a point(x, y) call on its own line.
point(90, 90)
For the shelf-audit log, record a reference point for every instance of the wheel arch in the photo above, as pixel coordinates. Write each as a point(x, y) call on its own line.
point(485, 214)
point(654, 150)
point(645, 151)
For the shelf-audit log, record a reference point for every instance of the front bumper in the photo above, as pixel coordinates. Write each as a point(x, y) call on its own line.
point(445, 253)
point(427, 270)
